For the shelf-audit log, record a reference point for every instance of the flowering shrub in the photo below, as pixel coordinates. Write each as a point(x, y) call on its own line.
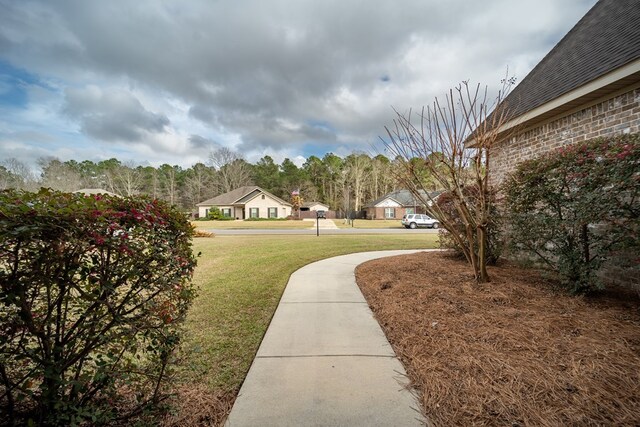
point(94, 289)
point(575, 207)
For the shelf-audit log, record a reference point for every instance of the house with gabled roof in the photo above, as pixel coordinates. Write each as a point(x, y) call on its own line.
point(396, 204)
point(246, 202)
point(95, 191)
point(587, 86)
point(314, 206)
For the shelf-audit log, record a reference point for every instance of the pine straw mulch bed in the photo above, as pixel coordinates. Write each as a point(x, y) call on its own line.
point(195, 405)
point(515, 352)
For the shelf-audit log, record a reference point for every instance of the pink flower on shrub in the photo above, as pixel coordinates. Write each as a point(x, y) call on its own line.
point(98, 239)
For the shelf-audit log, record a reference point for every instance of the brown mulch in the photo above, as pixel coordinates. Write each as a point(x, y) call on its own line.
point(202, 233)
point(513, 352)
point(194, 405)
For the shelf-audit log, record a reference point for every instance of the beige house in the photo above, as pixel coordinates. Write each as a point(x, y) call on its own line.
point(94, 191)
point(247, 202)
point(587, 86)
point(314, 206)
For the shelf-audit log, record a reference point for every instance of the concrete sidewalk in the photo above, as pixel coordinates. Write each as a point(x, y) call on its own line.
point(324, 360)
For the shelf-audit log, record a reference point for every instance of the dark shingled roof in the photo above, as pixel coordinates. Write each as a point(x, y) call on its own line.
point(606, 38)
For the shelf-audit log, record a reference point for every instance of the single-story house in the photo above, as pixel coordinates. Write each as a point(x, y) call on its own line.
point(396, 204)
point(247, 202)
point(310, 209)
point(93, 191)
point(587, 86)
point(314, 206)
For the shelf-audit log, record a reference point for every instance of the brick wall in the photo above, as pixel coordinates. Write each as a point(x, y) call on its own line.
point(378, 213)
point(620, 114)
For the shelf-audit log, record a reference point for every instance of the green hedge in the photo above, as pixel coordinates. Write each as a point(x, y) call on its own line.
point(216, 214)
point(575, 207)
point(94, 289)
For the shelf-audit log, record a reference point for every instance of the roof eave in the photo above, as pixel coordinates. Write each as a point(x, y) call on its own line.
point(260, 190)
point(621, 80)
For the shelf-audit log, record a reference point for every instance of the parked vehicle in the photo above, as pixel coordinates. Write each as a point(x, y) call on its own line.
point(321, 214)
point(418, 220)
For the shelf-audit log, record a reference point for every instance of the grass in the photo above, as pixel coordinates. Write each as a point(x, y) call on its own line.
point(370, 223)
point(241, 280)
point(252, 225)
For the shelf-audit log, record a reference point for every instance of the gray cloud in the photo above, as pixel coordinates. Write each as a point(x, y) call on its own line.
point(198, 142)
point(113, 115)
point(266, 72)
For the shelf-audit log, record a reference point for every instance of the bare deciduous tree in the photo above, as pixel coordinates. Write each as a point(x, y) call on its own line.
point(170, 182)
point(358, 167)
point(452, 140)
point(232, 170)
point(199, 183)
point(124, 179)
point(58, 175)
point(16, 174)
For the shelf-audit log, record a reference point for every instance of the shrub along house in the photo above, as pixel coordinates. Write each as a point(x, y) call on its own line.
point(396, 204)
point(246, 202)
point(587, 86)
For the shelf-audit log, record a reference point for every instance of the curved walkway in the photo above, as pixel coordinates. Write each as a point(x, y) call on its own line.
point(324, 360)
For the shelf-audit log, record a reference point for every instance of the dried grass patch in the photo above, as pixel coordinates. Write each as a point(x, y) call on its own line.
point(512, 352)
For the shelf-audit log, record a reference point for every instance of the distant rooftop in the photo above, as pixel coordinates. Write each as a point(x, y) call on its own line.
point(404, 198)
point(92, 191)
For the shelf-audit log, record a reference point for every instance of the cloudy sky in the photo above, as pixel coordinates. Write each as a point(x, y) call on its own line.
point(155, 82)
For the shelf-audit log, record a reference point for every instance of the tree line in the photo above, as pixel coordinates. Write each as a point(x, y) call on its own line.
point(341, 182)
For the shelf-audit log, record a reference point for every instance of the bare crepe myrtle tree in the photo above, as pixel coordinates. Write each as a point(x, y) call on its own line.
point(452, 139)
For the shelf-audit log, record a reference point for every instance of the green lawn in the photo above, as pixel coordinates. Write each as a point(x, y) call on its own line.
point(241, 279)
point(370, 223)
point(251, 225)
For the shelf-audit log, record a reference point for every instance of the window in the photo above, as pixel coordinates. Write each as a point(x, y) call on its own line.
point(263, 197)
point(389, 213)
point(226, 212)
point(254, 212)
point(273, 212)
point(410, 211)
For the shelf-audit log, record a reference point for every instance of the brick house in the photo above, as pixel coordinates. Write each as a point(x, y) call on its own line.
point(396, 204)
point(587, 86)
